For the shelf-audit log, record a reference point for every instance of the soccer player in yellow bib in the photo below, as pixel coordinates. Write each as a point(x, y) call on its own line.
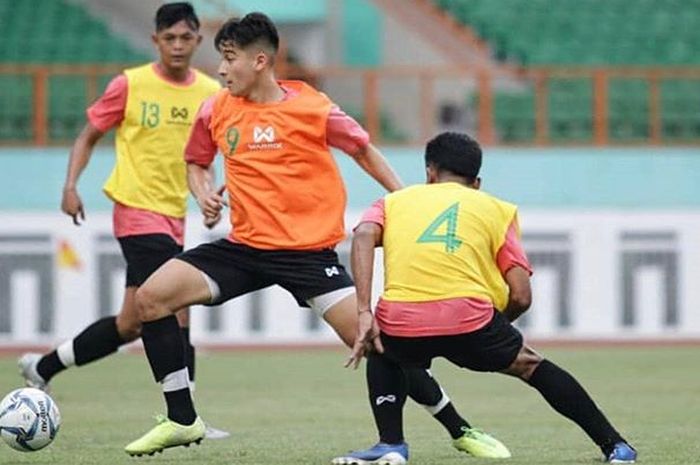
point(456, 277)
point(152, 108)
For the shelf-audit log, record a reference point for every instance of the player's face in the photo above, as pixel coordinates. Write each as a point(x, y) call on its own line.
point(240, 68)
point(176, 45)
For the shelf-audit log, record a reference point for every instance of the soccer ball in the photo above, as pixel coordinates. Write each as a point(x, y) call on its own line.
point(29, 419)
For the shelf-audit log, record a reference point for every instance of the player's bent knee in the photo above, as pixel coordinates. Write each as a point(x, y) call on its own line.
point(525, 363)
point(183, 317)
point(344, 326)
point(339, 309)
point(129, 331)
point(149, 304)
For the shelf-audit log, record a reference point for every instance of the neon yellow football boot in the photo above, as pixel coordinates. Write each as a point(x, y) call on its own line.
point(479, 444)
point(167, 434)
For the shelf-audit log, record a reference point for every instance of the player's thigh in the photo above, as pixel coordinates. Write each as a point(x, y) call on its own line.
point(145, 253)
point(410, 353)
point(229, 269)
point(173, 286)
point(342, 317)
point(492, 348)
point(128, 321)
point(319, 281)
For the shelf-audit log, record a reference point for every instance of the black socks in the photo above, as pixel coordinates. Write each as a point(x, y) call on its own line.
point(95, 342)
point(189, 352)
point(425, 390)
point(387, 394)
point(50, 365)
point(165, 350)
point(569, 398)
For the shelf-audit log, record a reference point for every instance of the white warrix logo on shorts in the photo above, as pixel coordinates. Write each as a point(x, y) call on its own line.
point(332, 271)
point(390, 398)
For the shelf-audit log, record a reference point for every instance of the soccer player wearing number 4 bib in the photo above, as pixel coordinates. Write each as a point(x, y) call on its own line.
point(287, 204)
point(152, 108)
point(455, 277)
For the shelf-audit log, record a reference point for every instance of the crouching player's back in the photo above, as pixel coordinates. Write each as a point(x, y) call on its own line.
point(456, 277)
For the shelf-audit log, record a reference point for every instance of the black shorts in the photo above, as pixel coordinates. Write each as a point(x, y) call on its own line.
point(491, 348)
point(239, 269)
point(145, 253)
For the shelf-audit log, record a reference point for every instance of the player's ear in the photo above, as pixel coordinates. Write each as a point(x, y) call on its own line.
point(430, 174)
point(477, 183)
point(154, 39)
point(262, 59)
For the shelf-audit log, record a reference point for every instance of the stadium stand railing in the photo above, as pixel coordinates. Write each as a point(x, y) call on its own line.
point(552, 106)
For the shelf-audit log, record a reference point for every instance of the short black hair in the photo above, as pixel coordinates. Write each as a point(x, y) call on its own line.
point(252, 28)
point(456, 153)
point(171, 13)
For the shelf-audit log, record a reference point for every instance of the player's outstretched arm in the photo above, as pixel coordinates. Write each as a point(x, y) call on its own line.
point(200, 180)
point(71, 203)
point(367, 236)
point(520, 294)
point(373, 162)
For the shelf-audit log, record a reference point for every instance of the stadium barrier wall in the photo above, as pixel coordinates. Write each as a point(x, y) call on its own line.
point(598, 275)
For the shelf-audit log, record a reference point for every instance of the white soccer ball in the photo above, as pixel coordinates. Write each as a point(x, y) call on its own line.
point(29, 419)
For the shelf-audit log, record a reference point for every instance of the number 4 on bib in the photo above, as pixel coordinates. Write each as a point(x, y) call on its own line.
point(449, 238)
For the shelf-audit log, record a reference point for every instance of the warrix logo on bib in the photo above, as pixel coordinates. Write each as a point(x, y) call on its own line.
point(264, 139)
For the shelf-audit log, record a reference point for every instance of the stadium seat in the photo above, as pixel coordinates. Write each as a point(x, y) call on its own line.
point(594, 32)
point(609, 29)
point(680, 100)
point(628, 115)
point(62, 34)
point(15, 108)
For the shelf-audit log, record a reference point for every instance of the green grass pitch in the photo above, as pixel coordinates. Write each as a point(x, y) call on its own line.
point(301, 407)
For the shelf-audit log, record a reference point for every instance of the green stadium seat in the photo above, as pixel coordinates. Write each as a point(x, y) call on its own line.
point(15, 108)
point(614, 24)
point(58, 22)
point(389, 132)
point(62, 34)
point(67, 102)
point(680, 101)
point(628, 109)
point(570, 110)
point(592, 32)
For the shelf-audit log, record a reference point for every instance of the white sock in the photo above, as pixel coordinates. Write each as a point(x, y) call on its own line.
point(435, 409)
point(66, 354)
point(176, 381)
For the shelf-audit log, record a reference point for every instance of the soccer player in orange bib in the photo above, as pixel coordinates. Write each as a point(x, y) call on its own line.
point(152, 108)
point(455, 277)
point(287, 204)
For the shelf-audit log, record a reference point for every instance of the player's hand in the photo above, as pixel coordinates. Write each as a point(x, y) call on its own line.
point(209, 223)
point(211, 207)
point(72, 205)
point(367, 339)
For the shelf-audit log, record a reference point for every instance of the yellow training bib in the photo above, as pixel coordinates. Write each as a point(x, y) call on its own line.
point(149, 172)
point(441, 241)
